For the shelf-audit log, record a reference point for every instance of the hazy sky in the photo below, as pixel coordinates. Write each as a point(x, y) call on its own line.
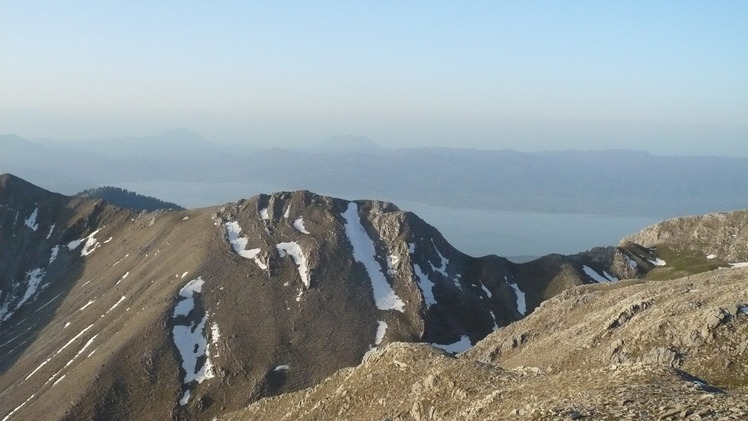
point(666, 76)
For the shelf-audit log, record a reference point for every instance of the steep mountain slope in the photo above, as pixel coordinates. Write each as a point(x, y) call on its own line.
point(632, 350)
point(107, 313)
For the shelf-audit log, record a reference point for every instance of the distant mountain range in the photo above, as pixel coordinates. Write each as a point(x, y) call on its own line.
point(616, 182)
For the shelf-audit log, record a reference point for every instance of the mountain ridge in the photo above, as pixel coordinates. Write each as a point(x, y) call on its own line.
point(191, 314)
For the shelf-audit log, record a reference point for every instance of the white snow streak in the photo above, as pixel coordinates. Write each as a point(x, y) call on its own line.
point(739, 265)
point(381, 330)
point(31, 220)
point(53, 255)
point(365, 253)
point(294, 250)
point(299, 225)
point(184, 307)
point(87, 304)
point(460, 346)
point(51, 229)
point(192, 345)
point(115, 305)
point(594, 275)
point(185, 398)
point(658, 262)
point(264, 214)
point(427, 287)
point(711, 256)
point(239, 244)
point(521, 303)
point(486, 290)
point(630, 262)
point(283, 367)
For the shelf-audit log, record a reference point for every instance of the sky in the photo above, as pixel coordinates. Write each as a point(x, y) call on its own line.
point(670, 77)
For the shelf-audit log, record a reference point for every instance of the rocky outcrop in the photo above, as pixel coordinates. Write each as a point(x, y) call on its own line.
point(633, 350)
point(718, 235)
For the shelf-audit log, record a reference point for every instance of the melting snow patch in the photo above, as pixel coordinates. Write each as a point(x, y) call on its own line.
point(187, 292)
point(364, 253)
point(264, 214)
point(381, 330)
point(739, 265)
point(460, 346)
point(185, 398)
point(299, 225)
point(610, 277)
point(411, 248)
point(239, 244)
point(521, 303)
point(115, 305)
point(658, 262)
point(427, 287)
point(184, 274)
point(711, 256)
point(192, 346)
point(294, 250)
point(53, 256)
point(287, 212)
point(486, 290)
point(630, 262)
point(31, 220)
point(87, 304)
point(284, 367)
point(33, 279)
point(51, 229)
point(190, 339)
point(594, 275)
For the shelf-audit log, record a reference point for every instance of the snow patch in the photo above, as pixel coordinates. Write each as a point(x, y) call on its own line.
point(185, 398)
point(594, 275)
point(631, 262)
point(187, 292)
point(264, 214)
point(239, 244)
point(33, 279)
point(192, 345)
point(31, 220)
point(739, 265)
point(299, 225)
point(287, 212)
point(283, 367)
point(711, 256)
point(521, 303)
point(381, 330)
point(51, 230)
point(657, 262)
point(365, 253)
point(426, 286)
point(294, 250)
point(87, 304)
point(53, 255)
point(115, 305)
point(486, 290)
point(190, 339)
point(460, 346)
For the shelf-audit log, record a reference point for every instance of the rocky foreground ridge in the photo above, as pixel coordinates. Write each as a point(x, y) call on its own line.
point(626, 351)
point(107, 313)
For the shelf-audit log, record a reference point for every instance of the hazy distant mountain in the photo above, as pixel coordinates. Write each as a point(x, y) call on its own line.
point(598, 182)
point(346, 144)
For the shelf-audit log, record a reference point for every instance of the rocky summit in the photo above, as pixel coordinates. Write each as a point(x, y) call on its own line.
point(300, 306)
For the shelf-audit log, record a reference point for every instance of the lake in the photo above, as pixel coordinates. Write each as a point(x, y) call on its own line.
point(516, 235)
